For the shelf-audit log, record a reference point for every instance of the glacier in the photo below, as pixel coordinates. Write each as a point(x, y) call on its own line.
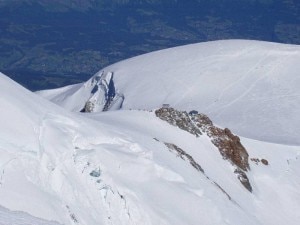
point(59, 166)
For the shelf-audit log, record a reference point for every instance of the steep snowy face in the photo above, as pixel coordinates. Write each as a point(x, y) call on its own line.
point(250, 86)
point(96, 95)
point(103, 95)
point(21, 115)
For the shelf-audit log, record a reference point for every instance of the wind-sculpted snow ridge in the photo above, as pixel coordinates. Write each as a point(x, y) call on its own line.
point(250, 86)
point(228, 144)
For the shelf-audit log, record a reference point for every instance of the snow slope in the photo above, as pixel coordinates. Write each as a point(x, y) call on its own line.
point(250, 86)
point(276, 194)
point(114, 168)
point(8, 217)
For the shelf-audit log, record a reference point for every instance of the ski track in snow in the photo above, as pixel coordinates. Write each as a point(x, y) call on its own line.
point(241, 79)
point(247, 91)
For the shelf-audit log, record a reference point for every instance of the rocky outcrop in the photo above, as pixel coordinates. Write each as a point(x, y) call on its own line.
point(178, 119)
point(265, 162)
point(183, 155)
point(241, 175)
point(257, 161)
point(228, 144)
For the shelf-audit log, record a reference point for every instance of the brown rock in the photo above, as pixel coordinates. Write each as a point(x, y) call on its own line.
point(264, 161)
point(256, 160)
point(228, 144)
point(185, 156)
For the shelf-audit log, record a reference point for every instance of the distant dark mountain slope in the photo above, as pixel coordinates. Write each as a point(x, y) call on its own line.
point(75, 38)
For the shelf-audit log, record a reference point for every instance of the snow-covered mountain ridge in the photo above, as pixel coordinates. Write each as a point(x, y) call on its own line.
point(155, 166)
point(75, 170)
point(250, 86)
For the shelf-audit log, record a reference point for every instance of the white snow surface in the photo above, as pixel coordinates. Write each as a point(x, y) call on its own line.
point(250, 86)
point(8, 217)
point(107, 168)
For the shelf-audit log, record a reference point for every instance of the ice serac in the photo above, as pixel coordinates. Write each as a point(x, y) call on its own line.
point(97, 94)
point(103, 96)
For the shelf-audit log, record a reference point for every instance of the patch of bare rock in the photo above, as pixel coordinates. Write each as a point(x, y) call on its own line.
point(228, 144)
point(257, 161)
